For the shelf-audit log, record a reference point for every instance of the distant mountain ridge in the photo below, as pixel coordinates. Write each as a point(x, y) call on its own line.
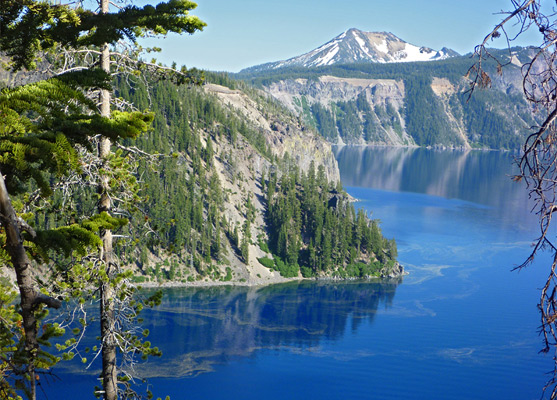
point(407, 103)
point(354, 46)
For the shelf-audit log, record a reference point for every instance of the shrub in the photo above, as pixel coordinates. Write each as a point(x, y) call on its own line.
point(288, 271)
point(138, 279)
point(306, 272)
point(228, 276)
point(267, 262)
point(263, 244)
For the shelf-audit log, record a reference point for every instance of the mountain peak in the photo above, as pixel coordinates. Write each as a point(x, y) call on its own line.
point(354, 46)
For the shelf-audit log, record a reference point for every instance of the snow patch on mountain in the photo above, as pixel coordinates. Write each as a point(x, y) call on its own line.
point(414, 53)
point(383, 48)
point(361, 42)
point(358, 46)
point(328, 57)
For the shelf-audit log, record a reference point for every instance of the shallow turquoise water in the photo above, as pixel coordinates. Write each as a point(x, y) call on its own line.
point(460, 326)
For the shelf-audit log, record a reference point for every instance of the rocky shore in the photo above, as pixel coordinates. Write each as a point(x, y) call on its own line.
point(396, 272)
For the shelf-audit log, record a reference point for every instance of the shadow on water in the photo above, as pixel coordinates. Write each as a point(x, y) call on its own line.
point(198, 328)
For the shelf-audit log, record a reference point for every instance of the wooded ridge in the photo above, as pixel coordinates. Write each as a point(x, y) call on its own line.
point(207, 215)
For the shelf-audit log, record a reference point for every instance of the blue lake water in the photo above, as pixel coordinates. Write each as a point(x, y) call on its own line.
point(461, 325)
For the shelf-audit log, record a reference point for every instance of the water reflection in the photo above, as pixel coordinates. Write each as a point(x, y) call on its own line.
point(197, 328)
point(482, 177)
point(477, 176)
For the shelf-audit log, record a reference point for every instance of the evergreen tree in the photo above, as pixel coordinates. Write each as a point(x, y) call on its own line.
point(46, 26)
point(246, 240)
point(313, 227)
point(45, 124)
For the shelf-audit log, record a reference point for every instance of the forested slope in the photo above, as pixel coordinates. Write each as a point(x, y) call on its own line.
point(215, 203)
point(237, 189)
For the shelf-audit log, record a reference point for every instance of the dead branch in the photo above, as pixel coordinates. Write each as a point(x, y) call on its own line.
point(538, 162)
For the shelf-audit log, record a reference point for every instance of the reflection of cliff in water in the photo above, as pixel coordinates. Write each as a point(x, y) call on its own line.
point(477, 176)
point(196, 328)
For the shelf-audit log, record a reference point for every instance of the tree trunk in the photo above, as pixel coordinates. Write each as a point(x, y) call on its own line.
point(108, 338)
point(22, 266)
point(109, 370)
point(30, 298)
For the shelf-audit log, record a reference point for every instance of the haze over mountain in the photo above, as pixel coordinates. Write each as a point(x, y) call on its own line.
point(355, 46)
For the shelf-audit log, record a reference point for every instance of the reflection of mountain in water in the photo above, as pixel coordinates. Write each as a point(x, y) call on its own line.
point(478, 176)
point(196, 328)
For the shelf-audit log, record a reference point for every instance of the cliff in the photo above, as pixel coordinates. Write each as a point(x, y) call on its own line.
point(301, 96)
point(283, 133)
point(407, 104)
point(226, 151)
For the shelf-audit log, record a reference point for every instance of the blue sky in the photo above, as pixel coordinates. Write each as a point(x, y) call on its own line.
point(244, 33)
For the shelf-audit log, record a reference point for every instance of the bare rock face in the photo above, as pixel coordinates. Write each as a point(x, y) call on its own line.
point(396, 272)
point(329, 89)
point(284, 133)
point(379, 94)
point(361, 111)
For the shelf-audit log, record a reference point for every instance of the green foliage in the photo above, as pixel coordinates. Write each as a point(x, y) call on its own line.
point(285, 269)
point(19, 36)
point(421, 104)
point(348, 121)
point(492, 126)
point(28, 27)
point(325, 122)
point(307, 272)
point(15, 358)
point(48, 131)
point(263, 244)
point(10, 336)
point(44, 126)
point(361, 270)
point(314, 229)
point(182, 205)
point(78, 238)
point(267, 262)
point(32, 127)
point(228, 276)
point(223, 79)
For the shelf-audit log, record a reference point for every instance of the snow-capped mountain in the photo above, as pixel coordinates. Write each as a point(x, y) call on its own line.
point(358, 46)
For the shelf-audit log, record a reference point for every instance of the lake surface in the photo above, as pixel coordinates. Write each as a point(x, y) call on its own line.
point(460, 326)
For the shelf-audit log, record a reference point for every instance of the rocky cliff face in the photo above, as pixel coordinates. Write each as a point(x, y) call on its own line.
point(380, 95)
point(390, 102)
point(227, 187)
point(284, 133)
point(428, 111)
point(241, 167)
point(330, 89)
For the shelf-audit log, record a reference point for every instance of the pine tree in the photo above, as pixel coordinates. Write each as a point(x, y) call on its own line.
point(246, 240)
point(176, 20)
point(46, 27)
point(44, 125)
point(313, 227)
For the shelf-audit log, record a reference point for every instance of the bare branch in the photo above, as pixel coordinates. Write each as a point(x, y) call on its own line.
point(538, 162)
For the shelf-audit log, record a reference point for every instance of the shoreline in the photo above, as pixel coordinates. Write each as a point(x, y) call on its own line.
point(399, 274)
